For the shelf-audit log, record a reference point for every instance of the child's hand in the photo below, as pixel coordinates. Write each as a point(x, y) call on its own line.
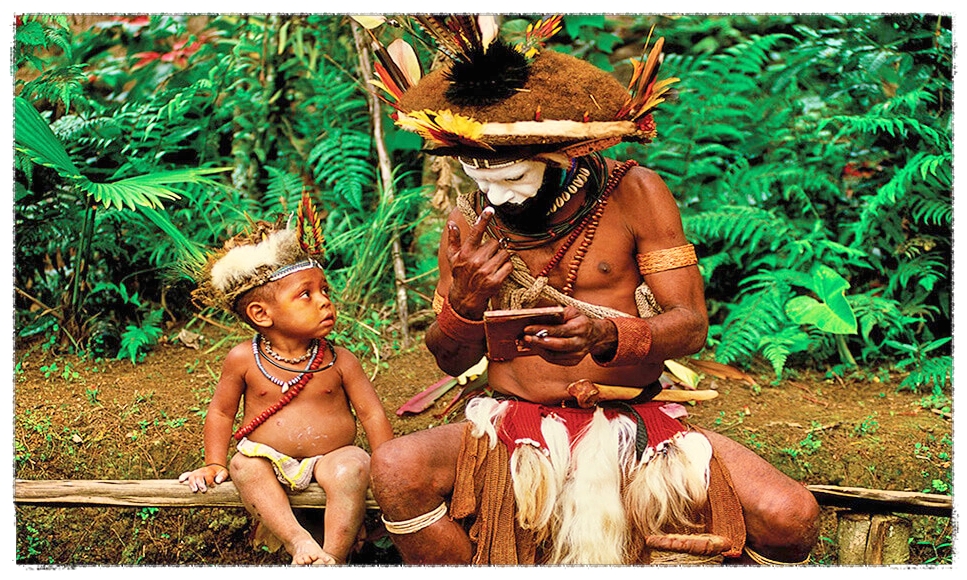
point(203, 477)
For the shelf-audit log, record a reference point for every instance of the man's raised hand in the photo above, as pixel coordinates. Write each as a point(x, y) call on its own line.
point(478, 268)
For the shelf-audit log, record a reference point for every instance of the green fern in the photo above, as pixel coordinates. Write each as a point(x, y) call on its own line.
point(776, 348)
point(341, 160)
point(137, 340)
point(934, 373)
point(757, 315)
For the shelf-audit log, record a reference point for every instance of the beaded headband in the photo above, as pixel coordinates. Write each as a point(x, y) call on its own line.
point(267, 253)
point(492, 99)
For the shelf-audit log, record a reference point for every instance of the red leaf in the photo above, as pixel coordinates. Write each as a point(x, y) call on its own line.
point(423, 400)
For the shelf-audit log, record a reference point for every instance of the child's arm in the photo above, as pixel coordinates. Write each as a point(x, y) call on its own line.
point(218, 423)
point(365, 401)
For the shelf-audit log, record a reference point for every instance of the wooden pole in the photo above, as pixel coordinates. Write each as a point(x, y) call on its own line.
point(148, 493)
point(386, 177)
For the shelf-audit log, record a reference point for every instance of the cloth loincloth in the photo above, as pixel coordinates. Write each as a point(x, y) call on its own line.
point(296, 474)
point(567, 485)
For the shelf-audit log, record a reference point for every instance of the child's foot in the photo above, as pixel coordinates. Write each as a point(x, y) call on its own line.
point(309, 553)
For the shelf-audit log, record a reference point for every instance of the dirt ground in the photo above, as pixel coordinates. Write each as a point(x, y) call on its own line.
point(79, 419)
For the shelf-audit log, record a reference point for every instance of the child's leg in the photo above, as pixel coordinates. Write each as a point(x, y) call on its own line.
point(267, 501)
point(344, 475)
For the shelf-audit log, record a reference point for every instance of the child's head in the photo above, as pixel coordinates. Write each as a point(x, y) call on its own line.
point(250, 275)
point(295, 304)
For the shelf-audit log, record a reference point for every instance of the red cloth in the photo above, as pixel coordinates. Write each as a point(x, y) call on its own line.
point(522, 420)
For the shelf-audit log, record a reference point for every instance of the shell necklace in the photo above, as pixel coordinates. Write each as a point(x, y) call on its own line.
point(313, 350)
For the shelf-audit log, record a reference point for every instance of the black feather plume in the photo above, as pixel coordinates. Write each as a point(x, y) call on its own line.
point(485, 78)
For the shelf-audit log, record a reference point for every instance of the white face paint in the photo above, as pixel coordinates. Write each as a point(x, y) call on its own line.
point(512, 184)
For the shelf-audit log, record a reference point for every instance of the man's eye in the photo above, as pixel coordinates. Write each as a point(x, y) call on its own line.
point(518, 178)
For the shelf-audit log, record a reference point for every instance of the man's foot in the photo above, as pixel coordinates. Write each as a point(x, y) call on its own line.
point(309, 553)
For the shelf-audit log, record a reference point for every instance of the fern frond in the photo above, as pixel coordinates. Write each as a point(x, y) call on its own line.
point(341, 160)
point(935, 373)
point(776, 348)
point(755, 316)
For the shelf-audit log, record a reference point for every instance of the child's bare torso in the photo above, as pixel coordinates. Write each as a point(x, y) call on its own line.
point(316, 421)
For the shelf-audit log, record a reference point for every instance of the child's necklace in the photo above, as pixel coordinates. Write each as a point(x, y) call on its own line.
point(293, 361)
point(284, 384)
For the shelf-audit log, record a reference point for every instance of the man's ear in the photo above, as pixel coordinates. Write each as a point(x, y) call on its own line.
point(257, 312)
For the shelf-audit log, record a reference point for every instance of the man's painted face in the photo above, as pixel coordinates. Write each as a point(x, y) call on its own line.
point(513, 184)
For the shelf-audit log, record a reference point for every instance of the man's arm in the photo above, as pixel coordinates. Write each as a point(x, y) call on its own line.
point(653, 217)
point(471, 272)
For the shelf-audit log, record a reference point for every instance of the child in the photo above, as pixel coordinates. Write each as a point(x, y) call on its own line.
point(299, 391)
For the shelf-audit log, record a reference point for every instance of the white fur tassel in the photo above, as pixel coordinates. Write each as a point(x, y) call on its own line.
point(668, 489)
point(593, 527)
point(483, 412)
point(538, 478)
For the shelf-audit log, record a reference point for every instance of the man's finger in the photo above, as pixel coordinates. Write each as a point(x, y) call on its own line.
point(453, 240)
point(480, 226)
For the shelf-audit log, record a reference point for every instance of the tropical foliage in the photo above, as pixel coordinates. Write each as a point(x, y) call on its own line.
point(811, 156)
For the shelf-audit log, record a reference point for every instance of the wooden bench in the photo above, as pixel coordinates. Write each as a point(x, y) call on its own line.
point(868, 529)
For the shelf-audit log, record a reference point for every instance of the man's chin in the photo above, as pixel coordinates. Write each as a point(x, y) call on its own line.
point(511, 208)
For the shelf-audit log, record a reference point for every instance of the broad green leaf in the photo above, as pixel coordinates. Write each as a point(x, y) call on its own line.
point(830, 314)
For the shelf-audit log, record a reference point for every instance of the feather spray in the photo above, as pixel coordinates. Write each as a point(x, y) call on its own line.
point(309, 227)
point(647, 92)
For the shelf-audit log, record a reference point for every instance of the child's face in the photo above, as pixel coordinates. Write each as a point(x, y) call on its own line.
point(301, 307)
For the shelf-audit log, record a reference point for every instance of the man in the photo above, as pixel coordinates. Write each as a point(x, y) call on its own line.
point(577, 459)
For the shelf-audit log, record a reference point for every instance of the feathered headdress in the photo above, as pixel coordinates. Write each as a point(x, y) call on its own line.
point(491, 97)
point(267, 252)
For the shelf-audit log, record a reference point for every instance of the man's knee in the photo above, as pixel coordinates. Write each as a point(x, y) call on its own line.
point(390, 466)
point(791, 518)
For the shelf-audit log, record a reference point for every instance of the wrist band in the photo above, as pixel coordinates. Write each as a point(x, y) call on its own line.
point(457, 327)
point(667, 259)
point(217, 465)
point(634, 342)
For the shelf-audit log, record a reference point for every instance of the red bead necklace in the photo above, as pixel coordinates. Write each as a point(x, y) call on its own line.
point(589, 226)
point(288, 396)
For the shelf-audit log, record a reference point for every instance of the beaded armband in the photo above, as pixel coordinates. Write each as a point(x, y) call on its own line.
point(457, 327)
point(667, 259)
point(634, 342)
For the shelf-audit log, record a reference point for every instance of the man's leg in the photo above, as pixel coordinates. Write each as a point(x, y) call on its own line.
point(781, 515)
point(412, 477)
point(344, 475)
point(265, 499)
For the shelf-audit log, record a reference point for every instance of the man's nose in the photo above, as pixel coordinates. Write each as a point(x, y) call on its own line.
point(499, 195)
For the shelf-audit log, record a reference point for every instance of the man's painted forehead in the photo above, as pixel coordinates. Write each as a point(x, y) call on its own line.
point(511, 171)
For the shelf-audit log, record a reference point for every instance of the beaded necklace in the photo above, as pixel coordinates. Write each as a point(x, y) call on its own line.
point(294, 361)
point(294, 389)
point(589, 226)
point(284, 384)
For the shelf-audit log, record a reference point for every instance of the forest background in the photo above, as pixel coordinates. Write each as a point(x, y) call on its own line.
point(811, 157)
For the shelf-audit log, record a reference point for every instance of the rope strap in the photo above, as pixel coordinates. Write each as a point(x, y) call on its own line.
point(416, 524)
point(667, 259)
point(762, 560)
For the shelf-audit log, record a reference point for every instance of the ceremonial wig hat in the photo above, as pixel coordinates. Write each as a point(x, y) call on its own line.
point(266, 253)
point(491, 102)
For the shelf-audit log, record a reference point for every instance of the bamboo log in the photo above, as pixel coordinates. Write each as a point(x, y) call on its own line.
point(861, 499)
point(148, 493)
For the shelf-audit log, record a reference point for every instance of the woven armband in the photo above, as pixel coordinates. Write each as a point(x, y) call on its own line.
point(457, 327)
point(667, 259)
point(634, 342)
